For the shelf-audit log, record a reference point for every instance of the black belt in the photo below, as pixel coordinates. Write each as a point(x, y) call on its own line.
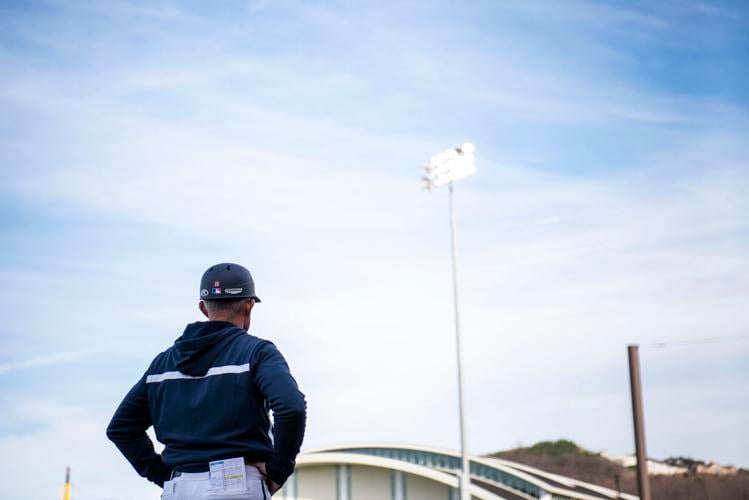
point(177, 473)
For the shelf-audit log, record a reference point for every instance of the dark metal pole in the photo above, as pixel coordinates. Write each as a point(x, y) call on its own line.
point(643, 481)
point(618, 481)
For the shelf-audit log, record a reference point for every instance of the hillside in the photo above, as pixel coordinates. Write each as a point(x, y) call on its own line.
point(566, 458)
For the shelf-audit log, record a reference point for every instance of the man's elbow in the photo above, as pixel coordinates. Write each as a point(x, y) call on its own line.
point(294, 410)
point(112, 432)
point(116, 432)
point(299, 410)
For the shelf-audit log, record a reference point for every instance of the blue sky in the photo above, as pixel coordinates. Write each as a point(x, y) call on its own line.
point(142, 142)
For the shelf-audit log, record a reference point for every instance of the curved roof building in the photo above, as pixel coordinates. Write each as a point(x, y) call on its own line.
point(376, 471)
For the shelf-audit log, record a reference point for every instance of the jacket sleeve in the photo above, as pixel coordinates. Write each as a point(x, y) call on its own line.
point(127, 431)
point(274, 380)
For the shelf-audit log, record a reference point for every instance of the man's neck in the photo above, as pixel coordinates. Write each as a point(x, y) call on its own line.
point(235, 320)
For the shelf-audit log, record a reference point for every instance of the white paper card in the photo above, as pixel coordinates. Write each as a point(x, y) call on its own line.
point(228, 475)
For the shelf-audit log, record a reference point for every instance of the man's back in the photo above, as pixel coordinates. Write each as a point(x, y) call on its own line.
point(208, 398)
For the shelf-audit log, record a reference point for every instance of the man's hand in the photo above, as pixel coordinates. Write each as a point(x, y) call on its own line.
point(272, 487)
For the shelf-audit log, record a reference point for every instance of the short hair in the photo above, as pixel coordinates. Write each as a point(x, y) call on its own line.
point(230, 306)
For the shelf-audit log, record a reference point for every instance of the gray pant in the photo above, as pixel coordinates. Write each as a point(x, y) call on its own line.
point(196, 486)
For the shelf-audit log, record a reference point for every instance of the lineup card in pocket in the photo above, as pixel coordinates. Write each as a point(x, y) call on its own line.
point(228, 475)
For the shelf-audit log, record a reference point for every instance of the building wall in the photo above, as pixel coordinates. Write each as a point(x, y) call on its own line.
point(367, 483)
point(370, 483)
point(316, 482)
point(420, 488)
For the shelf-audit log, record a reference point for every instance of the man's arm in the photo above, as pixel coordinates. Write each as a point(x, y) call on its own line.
point(127, 431)
point(279, 388)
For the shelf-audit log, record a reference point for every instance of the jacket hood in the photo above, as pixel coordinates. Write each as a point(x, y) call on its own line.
point(201, 343)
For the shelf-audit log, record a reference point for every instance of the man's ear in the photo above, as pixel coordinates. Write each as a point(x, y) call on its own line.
point(203, 308)
point(248, 312)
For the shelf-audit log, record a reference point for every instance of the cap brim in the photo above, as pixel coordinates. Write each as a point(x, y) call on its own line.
point(231, 297)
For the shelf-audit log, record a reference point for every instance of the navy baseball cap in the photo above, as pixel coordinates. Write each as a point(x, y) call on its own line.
point(227, 281)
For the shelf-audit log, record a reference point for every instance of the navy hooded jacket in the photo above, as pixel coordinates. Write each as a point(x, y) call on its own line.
point(207, 398)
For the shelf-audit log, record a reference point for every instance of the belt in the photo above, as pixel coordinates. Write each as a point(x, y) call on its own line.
point(250, 470)
point(189, 475)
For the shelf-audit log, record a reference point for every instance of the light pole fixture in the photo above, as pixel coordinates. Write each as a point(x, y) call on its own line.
point(450, 165)
point(445, 168)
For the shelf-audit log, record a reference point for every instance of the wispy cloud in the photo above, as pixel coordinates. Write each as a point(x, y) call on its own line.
point(59, 358)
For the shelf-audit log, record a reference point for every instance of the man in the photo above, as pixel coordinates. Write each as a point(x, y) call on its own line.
point(208, 397)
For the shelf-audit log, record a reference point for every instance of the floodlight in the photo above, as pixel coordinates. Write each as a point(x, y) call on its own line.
point(450, 165)
point(444, 168)
point(468, 148)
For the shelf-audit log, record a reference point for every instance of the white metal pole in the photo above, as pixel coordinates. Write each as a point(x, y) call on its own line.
point(465, 478)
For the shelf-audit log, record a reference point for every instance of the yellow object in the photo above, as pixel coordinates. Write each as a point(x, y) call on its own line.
point(66, 491)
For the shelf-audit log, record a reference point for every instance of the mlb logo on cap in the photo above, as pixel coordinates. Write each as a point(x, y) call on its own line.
point(216, 291)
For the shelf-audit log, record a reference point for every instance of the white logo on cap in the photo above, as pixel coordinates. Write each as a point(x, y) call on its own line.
point(233, 291)
point(204, 293)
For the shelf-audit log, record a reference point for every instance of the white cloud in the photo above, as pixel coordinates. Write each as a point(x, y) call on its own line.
point(42, 360)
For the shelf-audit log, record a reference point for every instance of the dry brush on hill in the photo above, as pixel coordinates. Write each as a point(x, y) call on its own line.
point(567, 459)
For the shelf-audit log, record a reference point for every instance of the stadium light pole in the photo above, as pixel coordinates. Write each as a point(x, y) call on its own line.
point(638, 417)
point(445, 168)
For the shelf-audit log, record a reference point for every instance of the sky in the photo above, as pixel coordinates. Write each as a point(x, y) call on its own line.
point(142, 142)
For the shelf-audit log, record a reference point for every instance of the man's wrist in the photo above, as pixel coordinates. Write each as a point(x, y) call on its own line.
point(164, 475)
point(274, 474)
